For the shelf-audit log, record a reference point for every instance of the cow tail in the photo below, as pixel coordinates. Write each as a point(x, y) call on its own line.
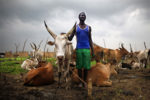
point(148, 58)
point(148, 52)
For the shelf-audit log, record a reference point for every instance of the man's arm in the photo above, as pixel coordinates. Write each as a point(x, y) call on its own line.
point(70, 37)
point(91, 42)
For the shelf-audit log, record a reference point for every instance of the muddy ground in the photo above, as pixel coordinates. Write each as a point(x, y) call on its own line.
point(127, 85)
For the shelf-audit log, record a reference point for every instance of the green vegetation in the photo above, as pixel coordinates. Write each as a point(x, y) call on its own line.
point(93, 63)
point(52, 61)
point(11, 65)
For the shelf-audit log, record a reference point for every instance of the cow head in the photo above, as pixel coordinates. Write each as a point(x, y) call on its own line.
point(123, 51)
point(60, 42)
point(36, 51)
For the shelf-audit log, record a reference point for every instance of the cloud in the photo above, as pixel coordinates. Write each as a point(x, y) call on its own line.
point(114, 21)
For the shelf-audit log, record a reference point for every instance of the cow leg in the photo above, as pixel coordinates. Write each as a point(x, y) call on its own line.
point(59, 75)
point(145, 65)
point(104, 83)
point(67, 77)
point(66, 74)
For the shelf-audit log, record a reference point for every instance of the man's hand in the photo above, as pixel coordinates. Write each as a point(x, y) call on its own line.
point(93, 55)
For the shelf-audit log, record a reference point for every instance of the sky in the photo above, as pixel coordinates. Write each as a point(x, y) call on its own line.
point(112, 21)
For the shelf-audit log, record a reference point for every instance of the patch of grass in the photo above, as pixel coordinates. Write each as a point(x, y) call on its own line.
point(52, 61)
point(11, 65)
point(12, 69)
point(13, 59)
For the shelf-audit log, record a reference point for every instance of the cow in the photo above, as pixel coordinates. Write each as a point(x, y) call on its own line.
point(109, 55)
point(33, 62)
point(135, 65)
point(29, 64)
point(40, 76)
point(99, 74)
point(143, 57)
point(63, 52)
point(37, 53)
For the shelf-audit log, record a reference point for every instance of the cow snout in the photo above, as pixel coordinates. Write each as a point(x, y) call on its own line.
point(60, 57)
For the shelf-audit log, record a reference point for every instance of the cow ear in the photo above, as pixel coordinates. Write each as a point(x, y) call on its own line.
point(50, 43)
point(69, 42)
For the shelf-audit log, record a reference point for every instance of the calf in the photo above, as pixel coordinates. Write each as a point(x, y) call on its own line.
point(100, 74)
point(40, 76)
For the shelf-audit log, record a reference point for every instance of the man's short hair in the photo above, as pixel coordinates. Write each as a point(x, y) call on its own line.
point(81, 13)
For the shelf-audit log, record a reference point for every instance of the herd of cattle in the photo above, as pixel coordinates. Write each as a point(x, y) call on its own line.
point(107, 60)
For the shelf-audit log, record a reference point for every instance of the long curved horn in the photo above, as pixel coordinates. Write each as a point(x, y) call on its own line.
point(51, 33)
point(72, 29)
point(34, 46)
point(40, 44)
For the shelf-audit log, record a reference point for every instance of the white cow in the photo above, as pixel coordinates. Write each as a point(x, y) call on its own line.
point(37, 53)
point(29, 64)
point(143, 57)
point(33, 62)
point(63, 51)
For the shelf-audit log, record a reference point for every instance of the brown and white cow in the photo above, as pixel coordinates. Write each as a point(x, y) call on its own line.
point(40, 76)
point(109, 55)
point(100, 74)
point(63, 51)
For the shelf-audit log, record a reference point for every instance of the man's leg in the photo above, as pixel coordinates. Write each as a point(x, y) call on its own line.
point(79, 64)
point(85, 74)
point(87, 63)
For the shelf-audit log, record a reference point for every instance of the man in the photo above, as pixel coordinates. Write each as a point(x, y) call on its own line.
point(84, 43)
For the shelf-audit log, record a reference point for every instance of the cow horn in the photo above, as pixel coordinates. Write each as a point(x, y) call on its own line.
point(73, 28)
point(34, 45)
point(51, 33)
point(122, 45)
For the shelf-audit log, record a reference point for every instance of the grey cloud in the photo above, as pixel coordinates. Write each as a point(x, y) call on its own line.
point(33, 12)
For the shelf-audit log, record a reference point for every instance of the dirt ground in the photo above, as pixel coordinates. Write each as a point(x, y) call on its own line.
point(127, 85)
